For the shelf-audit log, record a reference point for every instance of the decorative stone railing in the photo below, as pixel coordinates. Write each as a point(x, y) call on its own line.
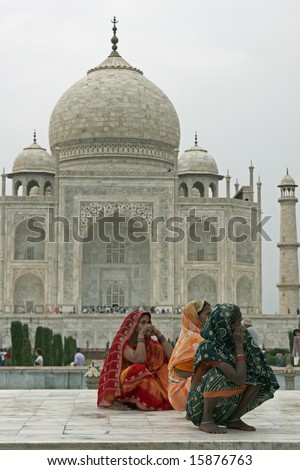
point(12, 378)
point(42, 377)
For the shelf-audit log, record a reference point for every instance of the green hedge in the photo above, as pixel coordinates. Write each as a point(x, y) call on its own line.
point(17, 336)
point(53, 352)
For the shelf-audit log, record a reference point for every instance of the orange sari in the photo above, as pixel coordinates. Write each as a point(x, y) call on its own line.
point(143, 385)
point(183, 355)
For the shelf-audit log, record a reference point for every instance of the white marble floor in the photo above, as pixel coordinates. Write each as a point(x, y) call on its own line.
point(70, 419)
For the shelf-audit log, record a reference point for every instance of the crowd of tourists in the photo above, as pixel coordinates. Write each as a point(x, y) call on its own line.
point(127, 310)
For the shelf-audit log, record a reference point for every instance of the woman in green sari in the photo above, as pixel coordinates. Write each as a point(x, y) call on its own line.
point(231, 375)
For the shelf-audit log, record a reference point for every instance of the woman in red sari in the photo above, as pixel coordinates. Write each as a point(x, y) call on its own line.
point(135, 370)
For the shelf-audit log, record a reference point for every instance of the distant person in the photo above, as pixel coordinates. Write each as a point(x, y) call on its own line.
point(279, 359)
point(180, 366)
point(8, 355)
point(296, 347)
point(79, 359)
point(39, 361)
point(247, 322)
point(2, 357)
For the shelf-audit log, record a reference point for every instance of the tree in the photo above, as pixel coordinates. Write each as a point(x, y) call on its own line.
point(27, 351)
point(39, 338)
point(57, 350)
point(47, 348)
point(16, 331)
point(69, 349)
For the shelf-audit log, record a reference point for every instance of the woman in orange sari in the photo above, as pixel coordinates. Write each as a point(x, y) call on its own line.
point(180, 366)
point(135, 370)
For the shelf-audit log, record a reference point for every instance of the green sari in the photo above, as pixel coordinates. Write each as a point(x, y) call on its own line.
point(219, 346)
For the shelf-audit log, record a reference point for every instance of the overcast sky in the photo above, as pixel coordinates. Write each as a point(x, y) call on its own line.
point(230, 67)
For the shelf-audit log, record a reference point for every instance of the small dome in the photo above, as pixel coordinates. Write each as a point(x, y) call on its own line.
point(287, 180)
point(34, 159)
point(197, 160)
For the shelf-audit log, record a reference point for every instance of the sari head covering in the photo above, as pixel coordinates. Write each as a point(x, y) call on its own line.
point(184, 352)
point(109, 387)
point(189, 338)
point(143, 385)
point(219, 346)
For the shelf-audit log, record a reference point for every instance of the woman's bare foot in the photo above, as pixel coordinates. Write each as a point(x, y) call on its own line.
point(239, 424)
point(117, 405)
point(211, 427)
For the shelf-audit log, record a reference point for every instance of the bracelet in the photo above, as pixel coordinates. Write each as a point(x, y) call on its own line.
point(140, 340)
point(161, 339)
point(240, 358)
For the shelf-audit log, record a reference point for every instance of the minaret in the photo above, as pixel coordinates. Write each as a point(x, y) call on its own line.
point(289, 271)
point(228, 177)
point(251, 168)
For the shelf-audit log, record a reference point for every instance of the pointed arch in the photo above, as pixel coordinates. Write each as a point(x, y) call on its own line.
point(107, 259)
point(203, 287)
point(25, 250)
point(48, 191)
point(102, 341)
point(29, 294)
point(183, 190)
point(18, 188)
point(198, 189)
point(212, 190)
point(33, 188)
point(245, 294)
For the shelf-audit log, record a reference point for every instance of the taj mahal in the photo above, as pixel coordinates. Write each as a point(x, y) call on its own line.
point(114, 215)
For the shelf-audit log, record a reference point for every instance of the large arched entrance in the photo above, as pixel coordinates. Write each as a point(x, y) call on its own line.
point(116, 265)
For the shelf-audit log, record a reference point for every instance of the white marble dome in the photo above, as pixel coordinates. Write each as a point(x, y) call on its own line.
point(115, 103)
point(34, 159)
point(287, 180)
point(197, 160)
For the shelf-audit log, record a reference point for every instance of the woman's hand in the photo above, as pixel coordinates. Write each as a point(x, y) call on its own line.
point(155, 331)
point(149, 330)
point(168, 349)
point(236, 374)
point(238, 339)
point(145, 331)
point(238, 334)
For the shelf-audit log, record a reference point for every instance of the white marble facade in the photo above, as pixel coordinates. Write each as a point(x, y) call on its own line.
point(113, 215)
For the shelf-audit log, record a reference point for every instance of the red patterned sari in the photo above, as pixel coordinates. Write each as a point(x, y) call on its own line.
point(143, 385)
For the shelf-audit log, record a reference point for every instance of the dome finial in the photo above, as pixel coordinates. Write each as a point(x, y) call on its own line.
point(114, 39)
point(34, 136)
point(287, 172)
point(196, 139)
